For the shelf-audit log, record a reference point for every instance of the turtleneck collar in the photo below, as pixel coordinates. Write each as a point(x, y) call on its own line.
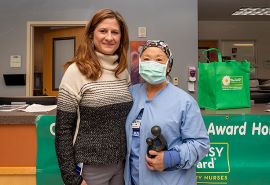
point(107, 61)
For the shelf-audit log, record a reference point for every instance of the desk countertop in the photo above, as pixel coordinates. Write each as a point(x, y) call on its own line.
point(19, 117)
point(256, 109)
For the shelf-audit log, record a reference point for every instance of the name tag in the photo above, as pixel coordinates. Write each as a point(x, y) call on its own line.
point(136, 128)
point(136, 124)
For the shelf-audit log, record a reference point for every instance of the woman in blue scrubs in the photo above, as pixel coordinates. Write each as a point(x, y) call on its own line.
point(159, 103)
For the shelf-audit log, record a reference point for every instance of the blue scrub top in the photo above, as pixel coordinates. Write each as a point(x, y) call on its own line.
point(179, 117)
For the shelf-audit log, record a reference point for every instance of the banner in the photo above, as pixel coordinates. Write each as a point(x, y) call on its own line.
point(238, 155)
point(239, 151)
point(47, 170)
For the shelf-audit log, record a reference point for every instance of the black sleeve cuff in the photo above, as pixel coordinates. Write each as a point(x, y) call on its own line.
point(79, 180)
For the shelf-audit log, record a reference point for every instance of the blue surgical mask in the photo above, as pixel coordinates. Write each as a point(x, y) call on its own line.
point(152, 71)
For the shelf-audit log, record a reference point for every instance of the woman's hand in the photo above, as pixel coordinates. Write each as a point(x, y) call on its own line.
point(155, 163)
point(83, 182)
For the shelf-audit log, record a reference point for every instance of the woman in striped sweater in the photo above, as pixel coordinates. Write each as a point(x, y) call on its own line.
point(93, 104)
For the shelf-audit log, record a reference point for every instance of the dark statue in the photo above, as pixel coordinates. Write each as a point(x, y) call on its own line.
point(158, 143)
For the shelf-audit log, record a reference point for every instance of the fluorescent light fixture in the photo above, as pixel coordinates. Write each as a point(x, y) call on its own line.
point(243, 44)
point(252, 11)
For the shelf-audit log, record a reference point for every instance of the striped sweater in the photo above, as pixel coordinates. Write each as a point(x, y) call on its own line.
point(90, 120)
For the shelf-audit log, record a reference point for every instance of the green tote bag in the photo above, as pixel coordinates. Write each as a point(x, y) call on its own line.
point(224, 85)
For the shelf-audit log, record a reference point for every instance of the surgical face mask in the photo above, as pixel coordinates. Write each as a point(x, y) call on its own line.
point(152, 71)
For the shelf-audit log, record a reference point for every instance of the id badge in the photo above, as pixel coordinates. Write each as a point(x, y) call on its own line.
point(136, 128)
point(136, 124)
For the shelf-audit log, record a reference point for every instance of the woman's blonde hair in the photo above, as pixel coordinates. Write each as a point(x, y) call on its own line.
point(86, 58)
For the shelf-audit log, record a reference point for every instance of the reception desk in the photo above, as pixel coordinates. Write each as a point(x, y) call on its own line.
point(18, 146)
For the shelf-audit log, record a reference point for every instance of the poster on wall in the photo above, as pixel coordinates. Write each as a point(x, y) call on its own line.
point(134, 61)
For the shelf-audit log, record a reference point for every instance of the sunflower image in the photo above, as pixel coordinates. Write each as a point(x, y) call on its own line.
point(226, 80)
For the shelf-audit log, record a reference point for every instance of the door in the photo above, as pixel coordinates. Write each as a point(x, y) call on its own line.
point(59, 47)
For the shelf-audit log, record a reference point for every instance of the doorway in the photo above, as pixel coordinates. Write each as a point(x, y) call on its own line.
point(46, 42)
point(206, 44)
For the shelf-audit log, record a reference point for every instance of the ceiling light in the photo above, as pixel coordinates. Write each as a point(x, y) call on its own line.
point(243, 44)
point(252, 11)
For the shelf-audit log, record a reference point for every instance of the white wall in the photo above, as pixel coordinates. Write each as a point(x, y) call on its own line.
point(174, 21)
point(235, 30)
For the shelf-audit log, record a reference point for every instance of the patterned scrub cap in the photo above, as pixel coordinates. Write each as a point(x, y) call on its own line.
point(160, 44)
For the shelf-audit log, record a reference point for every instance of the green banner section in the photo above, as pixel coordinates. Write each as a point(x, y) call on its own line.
point(238, 155)
point(47, 170)
point(239, 152)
